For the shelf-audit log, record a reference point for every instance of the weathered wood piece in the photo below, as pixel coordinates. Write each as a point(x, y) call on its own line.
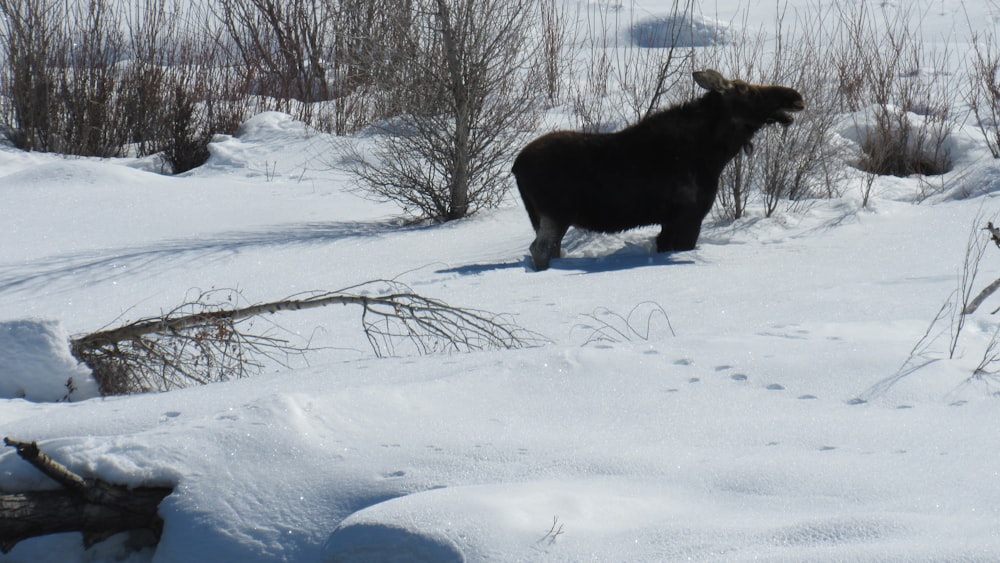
point(93, 507)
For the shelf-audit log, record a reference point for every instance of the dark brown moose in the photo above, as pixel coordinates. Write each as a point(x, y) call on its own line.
point(662, 170)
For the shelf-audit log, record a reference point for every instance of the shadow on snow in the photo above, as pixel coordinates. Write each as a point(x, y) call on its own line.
point(98, 266)
point(618, 261)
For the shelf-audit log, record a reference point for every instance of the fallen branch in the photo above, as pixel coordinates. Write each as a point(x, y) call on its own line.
point(992, 288)
point(983, 295)
point(205, 340)
point(93, 507)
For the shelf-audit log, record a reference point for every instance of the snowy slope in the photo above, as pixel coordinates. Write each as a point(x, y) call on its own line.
point(698, 405)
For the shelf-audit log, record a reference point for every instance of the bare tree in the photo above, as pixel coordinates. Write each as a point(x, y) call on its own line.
point(471, 93)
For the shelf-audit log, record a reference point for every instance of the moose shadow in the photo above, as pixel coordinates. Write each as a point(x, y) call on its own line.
point(619, 261)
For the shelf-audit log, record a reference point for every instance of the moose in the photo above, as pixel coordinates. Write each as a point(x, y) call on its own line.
point(662, 170)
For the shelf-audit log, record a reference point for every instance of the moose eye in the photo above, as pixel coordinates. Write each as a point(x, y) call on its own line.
point(742, 89)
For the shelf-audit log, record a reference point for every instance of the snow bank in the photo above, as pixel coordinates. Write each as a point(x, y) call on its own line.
point(38, 366)
point(677, 31)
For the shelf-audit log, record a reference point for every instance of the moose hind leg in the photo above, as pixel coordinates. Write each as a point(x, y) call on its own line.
point(678, 235)
point(547, 244)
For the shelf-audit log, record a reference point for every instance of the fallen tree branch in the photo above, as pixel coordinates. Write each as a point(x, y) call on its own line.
point(983, 295)
point(205, 340)
point(93, 507)
point(992, 288)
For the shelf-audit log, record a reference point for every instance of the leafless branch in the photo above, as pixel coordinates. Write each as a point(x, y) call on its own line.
point(208, 339)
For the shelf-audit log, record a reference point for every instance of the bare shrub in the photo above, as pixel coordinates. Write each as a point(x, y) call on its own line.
point(281, 46)
point(60, 76)
point(472, 93)
point(887, 70)
point(557, 31)
point(29, 43)
point(791, 164)
point(329, 63)
point(370, 45)
point(627, 76)
point(101, 78)
point(607, 326)
point(984, 92)
point(657, 58)
point(88, 86)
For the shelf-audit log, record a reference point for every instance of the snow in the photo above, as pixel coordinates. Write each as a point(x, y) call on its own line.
point(700, 405)
point(32, 348)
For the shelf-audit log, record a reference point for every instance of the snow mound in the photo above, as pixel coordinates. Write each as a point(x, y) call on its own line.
point(252, 149)
point(372, 542)
point(547, 519)
point(38, 365)
point(610, 519)
point(677, 30)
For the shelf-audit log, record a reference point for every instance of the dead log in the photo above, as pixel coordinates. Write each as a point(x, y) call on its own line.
point(93, 507)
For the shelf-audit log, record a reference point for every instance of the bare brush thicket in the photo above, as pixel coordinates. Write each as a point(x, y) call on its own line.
point(450, 86)
point(896, 89)
point(984, 93)
point(98, 78)
point(788, 165)
point(902, 84)
point(630, 68)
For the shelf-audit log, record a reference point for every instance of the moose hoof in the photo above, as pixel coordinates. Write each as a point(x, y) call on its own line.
point(540, 258)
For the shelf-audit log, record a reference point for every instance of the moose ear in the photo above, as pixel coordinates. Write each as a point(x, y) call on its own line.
point(710, 79)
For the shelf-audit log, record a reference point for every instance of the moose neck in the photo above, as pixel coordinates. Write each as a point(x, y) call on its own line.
point(730, 129)
point(707, 128)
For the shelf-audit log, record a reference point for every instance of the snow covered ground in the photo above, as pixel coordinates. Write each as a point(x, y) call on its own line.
point(720, 422)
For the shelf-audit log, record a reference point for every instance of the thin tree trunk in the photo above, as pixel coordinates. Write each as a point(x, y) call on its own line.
point(459, 188)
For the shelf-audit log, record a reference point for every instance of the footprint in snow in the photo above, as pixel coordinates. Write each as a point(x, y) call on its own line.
point(167, 416)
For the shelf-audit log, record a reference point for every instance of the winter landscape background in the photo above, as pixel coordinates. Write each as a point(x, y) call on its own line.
point(796, 388)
